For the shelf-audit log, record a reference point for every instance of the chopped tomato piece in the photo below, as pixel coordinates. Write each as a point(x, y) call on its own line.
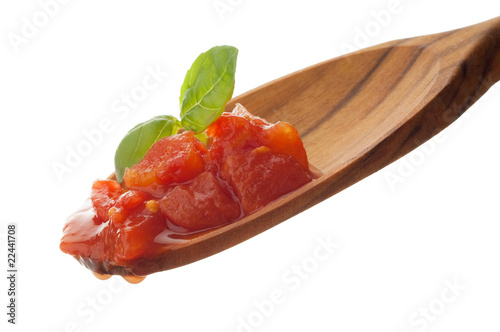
point(284, 138)
point(240, 131)
point(131, 199)
point(241, 111)
point(126, 204)
point(171, 160)
point(104, 195)
point(82, 235)
point(263, 176)
point(204, 203)
point(230, 134)
point(136, 236)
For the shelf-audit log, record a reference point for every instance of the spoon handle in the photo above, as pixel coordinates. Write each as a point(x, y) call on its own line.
point(468, 64)
point(474, 50)
point(492, 30)
point(488, 49)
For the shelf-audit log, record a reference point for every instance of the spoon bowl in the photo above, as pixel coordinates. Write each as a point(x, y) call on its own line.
point(356, 114)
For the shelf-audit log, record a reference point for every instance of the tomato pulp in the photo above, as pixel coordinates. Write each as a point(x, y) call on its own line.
point(183, 188)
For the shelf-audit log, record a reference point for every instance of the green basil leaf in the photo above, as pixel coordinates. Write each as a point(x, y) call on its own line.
point(208, 86)
point(139, 139)
point(202, 137)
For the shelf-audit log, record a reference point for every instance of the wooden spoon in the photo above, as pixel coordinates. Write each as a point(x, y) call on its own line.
point(356, 114)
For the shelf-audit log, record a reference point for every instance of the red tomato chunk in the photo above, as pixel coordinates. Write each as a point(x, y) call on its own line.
point(182, 187)
point(171, 160)
point(263, 176)
point(241, 132)
point(104, 195)
point(204, 203)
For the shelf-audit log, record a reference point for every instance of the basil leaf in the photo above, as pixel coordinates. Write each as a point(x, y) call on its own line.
point(139, 139)
point(208, 86)
point(202, 137)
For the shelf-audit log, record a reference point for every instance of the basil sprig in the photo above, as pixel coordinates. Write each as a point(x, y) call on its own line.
point(207, 87)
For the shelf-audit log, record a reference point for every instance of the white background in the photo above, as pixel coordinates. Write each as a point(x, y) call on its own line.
point(401, 244)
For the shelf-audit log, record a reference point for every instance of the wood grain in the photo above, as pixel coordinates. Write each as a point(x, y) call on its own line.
point(356, 114)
